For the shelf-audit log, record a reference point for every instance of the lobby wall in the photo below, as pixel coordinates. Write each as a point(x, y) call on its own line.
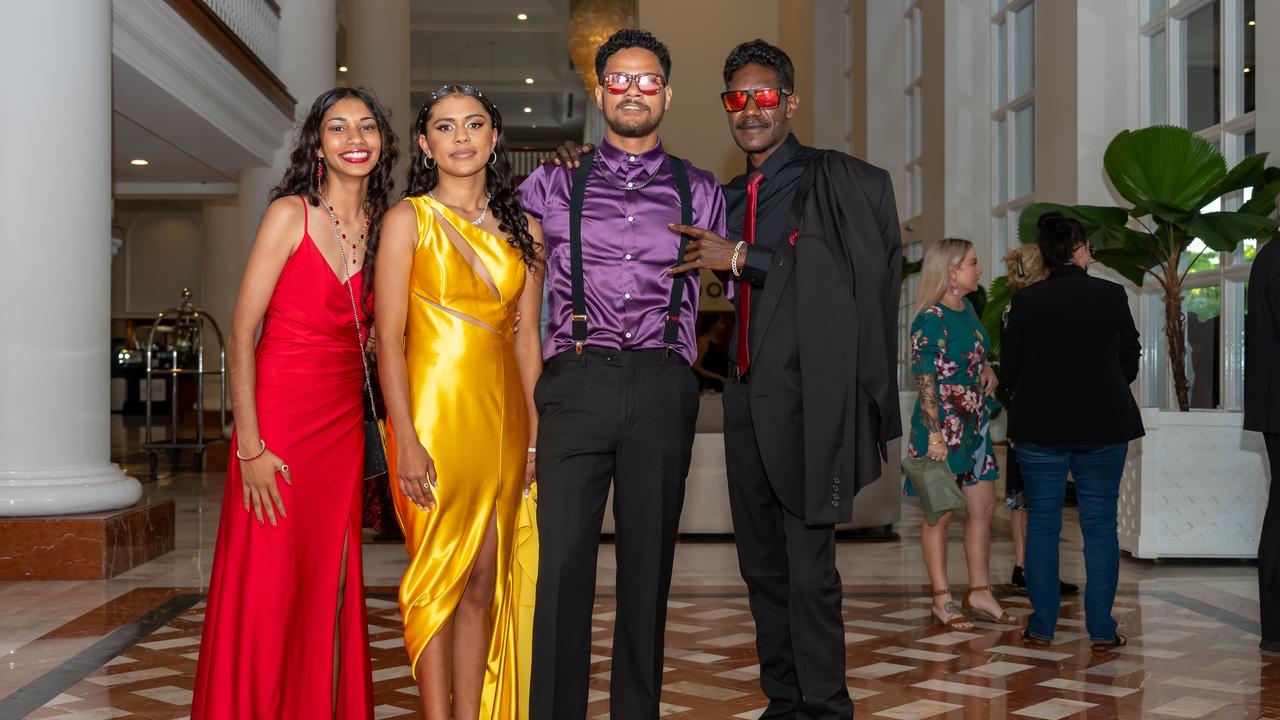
point(700, 36)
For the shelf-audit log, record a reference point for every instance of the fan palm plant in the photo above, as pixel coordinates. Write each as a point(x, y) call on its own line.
point(1170, 176)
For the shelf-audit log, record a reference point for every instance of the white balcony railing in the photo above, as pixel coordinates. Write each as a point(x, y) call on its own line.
point(525, 162)
point(255, 22)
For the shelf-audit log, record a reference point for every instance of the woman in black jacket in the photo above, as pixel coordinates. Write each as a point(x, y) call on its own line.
point(1070, 352)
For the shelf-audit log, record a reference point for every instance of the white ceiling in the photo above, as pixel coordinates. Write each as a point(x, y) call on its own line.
point(482, 43)
point(180, 145)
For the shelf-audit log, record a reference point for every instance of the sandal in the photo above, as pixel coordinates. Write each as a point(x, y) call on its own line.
point(1030, 639)
point(957, 619)
point(980, 614)
point(1105, 645)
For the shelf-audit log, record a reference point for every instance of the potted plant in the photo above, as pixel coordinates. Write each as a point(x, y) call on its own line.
point(1195, 485)
point(1170, 175)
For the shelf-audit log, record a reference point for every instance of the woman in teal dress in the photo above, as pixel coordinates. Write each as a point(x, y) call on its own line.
point(950, 424)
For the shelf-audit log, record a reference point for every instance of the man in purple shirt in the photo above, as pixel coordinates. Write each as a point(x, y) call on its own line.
point(617, 397)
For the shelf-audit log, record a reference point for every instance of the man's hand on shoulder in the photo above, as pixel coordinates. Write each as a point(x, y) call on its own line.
point(567, 154)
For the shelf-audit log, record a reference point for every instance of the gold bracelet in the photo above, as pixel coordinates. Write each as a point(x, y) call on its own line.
point(261, 450)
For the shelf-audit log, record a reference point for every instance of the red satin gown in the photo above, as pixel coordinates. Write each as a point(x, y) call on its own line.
point(267, 649)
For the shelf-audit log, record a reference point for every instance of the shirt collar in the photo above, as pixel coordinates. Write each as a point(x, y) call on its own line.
point(623, 162)
point(780, 157)
point(1067, 269)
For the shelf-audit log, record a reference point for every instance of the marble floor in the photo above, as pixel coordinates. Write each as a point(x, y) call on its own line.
point(126, 647)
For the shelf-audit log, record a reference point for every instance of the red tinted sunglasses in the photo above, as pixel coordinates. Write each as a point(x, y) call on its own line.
point(618, 83)
point(766, 98)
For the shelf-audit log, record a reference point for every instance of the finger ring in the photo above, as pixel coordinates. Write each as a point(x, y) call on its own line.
point(426, 485)
point(284, 468)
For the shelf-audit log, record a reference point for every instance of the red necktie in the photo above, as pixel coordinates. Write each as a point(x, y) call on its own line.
point(744, 288)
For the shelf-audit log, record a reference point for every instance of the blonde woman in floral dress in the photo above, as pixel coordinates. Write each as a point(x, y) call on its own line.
point(949, 424)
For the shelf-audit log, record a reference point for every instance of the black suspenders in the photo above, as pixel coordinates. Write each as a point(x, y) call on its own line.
point(671, 328)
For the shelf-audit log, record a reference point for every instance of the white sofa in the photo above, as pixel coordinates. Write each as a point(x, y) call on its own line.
point(706, 500)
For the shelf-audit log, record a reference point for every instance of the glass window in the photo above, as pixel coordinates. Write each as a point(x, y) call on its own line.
point(1023, 50)
point(1001, 64)
point(1158, 90)
point(1202, 68)
point(1250, 144)
point(917, 188)
point(917, 122)
point(1156, 8)
point(1000, 164)
point(1156, 382)
point(1000, 244)
point(1024, 148)
point(1203, 308)
point(1249, 64)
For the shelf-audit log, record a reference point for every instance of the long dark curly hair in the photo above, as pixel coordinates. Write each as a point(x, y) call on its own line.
point(498, 182)
point(300, 177)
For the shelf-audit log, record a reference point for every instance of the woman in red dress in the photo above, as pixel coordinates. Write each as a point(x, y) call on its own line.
point(285, 633)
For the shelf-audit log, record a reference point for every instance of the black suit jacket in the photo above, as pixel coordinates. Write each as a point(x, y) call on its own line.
point(1262, 342)
point(824, 392)
point(1070, 352)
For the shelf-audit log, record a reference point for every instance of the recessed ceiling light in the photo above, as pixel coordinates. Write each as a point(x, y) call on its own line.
point(528, 109)
point(528, 81)
point(138, 161)
point(522, 16)
point(342, 68)
point(1252, 23)
point(1248, 69)
point(533, 126)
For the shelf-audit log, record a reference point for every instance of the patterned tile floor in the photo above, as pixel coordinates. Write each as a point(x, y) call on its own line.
point(1192, 654)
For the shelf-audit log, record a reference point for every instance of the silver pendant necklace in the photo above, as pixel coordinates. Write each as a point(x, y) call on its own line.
point(483, 213)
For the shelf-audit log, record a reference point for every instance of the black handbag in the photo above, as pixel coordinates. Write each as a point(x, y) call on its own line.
point(375, 434)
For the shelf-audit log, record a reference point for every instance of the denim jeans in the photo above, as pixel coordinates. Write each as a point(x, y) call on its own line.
point(1096, 470)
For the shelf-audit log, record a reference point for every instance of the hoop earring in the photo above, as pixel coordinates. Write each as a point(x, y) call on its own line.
point(427, 159)
point(493, 157)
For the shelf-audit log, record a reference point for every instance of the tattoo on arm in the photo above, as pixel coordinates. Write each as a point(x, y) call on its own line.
point(928, 387)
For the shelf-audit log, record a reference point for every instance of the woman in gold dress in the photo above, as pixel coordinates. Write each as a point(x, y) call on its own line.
point(458, 295)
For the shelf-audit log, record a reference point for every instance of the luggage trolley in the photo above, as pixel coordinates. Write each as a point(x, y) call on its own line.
point(183, 356)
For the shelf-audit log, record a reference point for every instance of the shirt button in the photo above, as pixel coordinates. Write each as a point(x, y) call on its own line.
point(627, 334)
point(627, 256)
point(630, 185)
point(632, 158)
point(631, 218)
point(626, 296)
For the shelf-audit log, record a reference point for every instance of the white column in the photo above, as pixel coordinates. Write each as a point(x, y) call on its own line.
point(55, 302)
point(377, 55)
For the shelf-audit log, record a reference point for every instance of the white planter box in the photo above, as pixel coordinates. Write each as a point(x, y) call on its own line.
point(1194, 487)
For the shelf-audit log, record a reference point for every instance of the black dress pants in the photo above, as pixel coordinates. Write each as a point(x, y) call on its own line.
point(1269, 549)
point(792, 582)
point(624, 418)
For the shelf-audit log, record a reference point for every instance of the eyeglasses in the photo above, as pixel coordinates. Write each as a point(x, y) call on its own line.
point(618, 83)
point(766, 98)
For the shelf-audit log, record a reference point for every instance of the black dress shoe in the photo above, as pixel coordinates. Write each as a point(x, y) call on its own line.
point(1270, 646)
point(1019, 582)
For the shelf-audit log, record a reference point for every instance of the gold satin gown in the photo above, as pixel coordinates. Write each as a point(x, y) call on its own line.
point(468, 405)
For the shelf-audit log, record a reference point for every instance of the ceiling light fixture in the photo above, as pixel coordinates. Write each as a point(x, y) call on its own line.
point(342, 68)
point(139, 162)
point(1252, 23)
point(1248, 69)
point(528, 109)
point(528, 81)
point(522, 16)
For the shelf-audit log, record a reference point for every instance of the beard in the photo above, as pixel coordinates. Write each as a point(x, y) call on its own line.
point(633, 126)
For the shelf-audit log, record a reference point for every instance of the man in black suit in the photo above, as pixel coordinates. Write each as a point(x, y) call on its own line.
point(812, 399)
point(1262, 414)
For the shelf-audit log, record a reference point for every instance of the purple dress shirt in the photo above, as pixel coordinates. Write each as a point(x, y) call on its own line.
point(626, 246)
